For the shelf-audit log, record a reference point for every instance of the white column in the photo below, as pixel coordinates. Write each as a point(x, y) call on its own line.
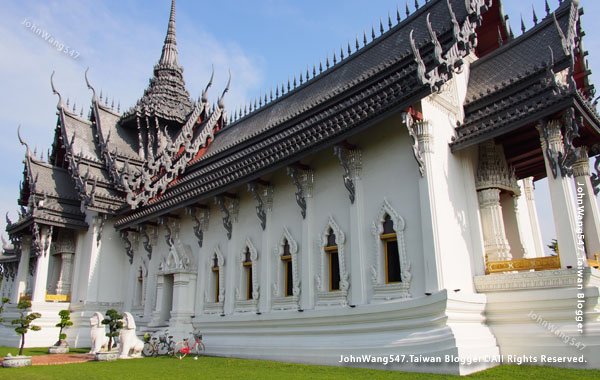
point(512, 227)
point(63, 286)
point(358, 232)
point(586, 204)
point(494, 235)
point(23, 271)
point(561, 195)
point(534, 223)
point(40, 277)
point(307, 246)
point(429, 221)
point(156, 314)
point(265, 258)
point(184, 286)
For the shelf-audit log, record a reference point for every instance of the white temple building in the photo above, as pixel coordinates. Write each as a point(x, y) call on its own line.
point(380, 204)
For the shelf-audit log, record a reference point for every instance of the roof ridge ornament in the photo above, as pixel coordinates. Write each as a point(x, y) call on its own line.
point(28, 151)
point(55, 92)
point(89, 86)
point(210, 81)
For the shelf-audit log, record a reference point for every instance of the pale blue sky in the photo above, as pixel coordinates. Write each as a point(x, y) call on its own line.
point(263, 42)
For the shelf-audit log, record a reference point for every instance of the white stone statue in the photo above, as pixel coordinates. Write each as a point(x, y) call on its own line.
point(98, 333)
point(130, 345)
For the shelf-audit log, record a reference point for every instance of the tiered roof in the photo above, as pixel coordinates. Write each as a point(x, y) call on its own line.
point(168, 152)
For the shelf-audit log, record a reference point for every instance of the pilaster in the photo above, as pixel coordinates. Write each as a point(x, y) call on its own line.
point(40, 279)
point(424, 154)
point(586, 205)
point(561, 193)
point(23, 271)
point(351, 161)
point(534, 224)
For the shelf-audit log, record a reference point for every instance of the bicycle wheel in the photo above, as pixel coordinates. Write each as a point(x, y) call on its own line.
point(199, 349)
point(163, 348)
point(148, 349)
point(181, 349)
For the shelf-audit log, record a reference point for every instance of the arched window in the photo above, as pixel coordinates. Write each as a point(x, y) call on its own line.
point(390, 272)
point(286, 284)
point(332, 279)
point(247, 264)
point(215, 277)
point(334, 261)
point(288, 269)
point(390, 249)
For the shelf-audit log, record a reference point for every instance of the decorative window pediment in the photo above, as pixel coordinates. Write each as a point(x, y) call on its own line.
point(214, 296)
point(389, 250)
point(286, 288)
point(332, 279)
point(247, 292)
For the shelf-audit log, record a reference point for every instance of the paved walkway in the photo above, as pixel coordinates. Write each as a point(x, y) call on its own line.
point(60, 359)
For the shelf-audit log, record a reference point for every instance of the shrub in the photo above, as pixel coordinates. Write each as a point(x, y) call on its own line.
point(114, 322)
point(65, 321)
point(24, 322)
point(4, 302)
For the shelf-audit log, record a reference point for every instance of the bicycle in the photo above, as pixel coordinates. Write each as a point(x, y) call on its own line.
point(150, 346)
point(183, 348)
point(163, 345)
point(166, 346)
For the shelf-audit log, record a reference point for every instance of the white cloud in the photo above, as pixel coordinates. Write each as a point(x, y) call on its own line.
point(120, 45)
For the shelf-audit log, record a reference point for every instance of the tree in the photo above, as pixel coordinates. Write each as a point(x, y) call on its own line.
point(24, 322)
point(114, 321)
point(65, 321)
point(4, 302)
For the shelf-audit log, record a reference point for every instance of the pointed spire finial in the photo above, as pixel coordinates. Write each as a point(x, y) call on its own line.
point(547, 8)
point(535, 18)
point(380, 26)
point(398, 13)
point(389, 21)
point(407, 10)
point(169, 56)
point(372, 33)
point(416, 4)
point(522, 25)
point(364, 38)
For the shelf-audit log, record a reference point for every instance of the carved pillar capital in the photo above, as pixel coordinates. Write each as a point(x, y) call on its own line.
point(351, 161)
point(262, 192)
point(581, 167)
point(171, 225)
point(424, 132)
point(201, 216)
point(557, 137)
point(493, 171)
point(303, 178)
point(149, 235)
point(229, 207)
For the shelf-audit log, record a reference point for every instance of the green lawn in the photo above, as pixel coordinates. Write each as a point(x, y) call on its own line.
point(225, 368)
